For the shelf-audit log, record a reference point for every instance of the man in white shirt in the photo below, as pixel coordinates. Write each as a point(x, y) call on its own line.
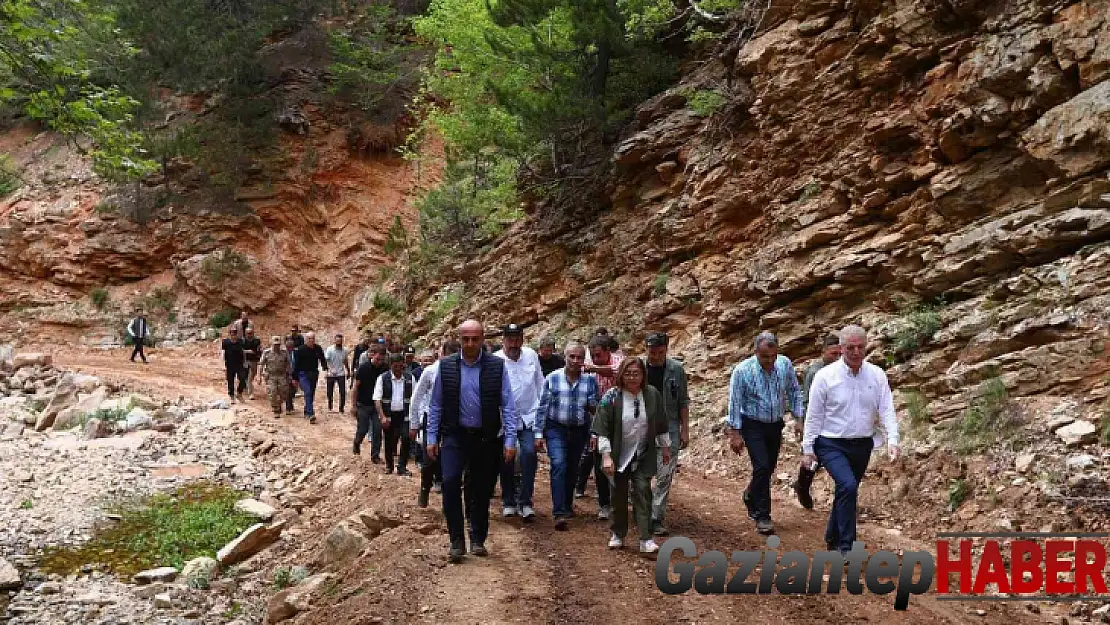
point(431, 474)
point(338, 370)
point(522, 364)
point(393, 396)
point(840, 426)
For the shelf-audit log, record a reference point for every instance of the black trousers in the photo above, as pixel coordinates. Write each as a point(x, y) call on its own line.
point(591, 462)
point(236, 372)
point(368, 423)
point(469, 460)
point(396, 434)
point(763, 441)
point(138, 350)
point(342, 382)
point(431, 471)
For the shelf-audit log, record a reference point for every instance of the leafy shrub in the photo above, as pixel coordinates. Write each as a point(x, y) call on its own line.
point(222, 319)
point(918, 410)
point(160, 298)
point(659, 285)
point(705, 102)
point(445, 304)
point(99, 297)
point(916, 327)
point(397, 239)
point(226, 263)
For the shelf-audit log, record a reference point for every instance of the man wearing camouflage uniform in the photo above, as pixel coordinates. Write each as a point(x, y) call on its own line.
point(277, 371)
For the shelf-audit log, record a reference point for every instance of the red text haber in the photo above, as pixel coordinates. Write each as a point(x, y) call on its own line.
point(1042, 563)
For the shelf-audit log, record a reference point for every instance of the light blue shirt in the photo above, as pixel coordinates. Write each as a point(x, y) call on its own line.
point(470, 403)
point(756, 394)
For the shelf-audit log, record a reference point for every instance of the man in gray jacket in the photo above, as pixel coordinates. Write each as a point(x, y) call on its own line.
point(669, 378)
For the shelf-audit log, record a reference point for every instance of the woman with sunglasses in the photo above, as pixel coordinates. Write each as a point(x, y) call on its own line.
point(630, 425)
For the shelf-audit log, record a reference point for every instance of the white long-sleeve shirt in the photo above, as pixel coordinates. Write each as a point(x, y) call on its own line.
point(526, 379)
point(634, 432)
point(844, 405)
point(422, 396)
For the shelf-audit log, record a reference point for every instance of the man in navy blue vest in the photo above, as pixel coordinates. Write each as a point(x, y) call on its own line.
point(471, 410)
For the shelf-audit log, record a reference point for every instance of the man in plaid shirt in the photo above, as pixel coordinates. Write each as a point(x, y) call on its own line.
point(567, 402)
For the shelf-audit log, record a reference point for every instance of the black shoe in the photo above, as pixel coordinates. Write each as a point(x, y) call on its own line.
point(802, 486)
point(356, 451)
point(388, 470)
point(312, 419)
point(765, 526)
point(403, 472)
point(457, 551)
point(438, 487)
point(423, 500)
point(748, 504)
point(479, 550)
point(376, 460)
point(578, 494)
point(658, 529)
point(561, 524)
point(830, 546)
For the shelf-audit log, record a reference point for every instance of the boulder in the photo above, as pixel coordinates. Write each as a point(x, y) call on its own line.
point(253, 539)
point(1078, 433)
point(291, 601)
point(343, 542)
point(9, 576)
point(1024, 461)
point(198, 572)
point(163, 600)
point(1075, 135)
point(161, 574)
point(376, 521)
point(13, 429)
point(1059, 421)
point(1080, 462)
point(138, 419)
point(85, 383)
point(95, 428)
point(255, 508)
point(65, 395)
point(30, 359)
point(85, 406)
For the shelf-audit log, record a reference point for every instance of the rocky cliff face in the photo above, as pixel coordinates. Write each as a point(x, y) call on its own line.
point(871, 156)
point(304, 234)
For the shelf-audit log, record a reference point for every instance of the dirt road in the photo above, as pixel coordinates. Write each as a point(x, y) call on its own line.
point(538, 575)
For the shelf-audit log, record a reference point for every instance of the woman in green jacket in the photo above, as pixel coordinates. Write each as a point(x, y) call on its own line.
point(630, 425)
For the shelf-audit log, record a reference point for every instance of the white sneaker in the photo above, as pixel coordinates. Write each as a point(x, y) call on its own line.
point(604, 513)
point(527, 512)
point(648, 546)
point(615, 541)
point(508, 511)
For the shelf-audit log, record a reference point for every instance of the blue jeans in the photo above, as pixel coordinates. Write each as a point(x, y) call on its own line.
point(564, 447)
point(846, 461)
point(308, 380)
point(515, 494)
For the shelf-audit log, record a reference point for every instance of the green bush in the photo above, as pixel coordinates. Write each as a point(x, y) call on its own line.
point(659, 285)
point(444, 305)
point(224, 264)
point(99, 297)
point(386, 303)
point(222, 319)
point(916, 328)
point(705, 102)
point(160, 299)
point(918, 409)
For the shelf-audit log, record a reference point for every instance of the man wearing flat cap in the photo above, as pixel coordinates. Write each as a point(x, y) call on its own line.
point(669, 378)
point(522, 364)
point(277, 371)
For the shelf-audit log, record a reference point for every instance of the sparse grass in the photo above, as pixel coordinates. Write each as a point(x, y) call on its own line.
point(160, 298)
point(165, 529)
point(9, 179)
point(958, 490)
point(99, 297)
point(659, 285)
point(107, 415)
point(444, 305)
point(282, 578)
point(331, 588)
point(918, 409)
point(106, 208)
point(916, 328)
point(987, 420)
point(234, 611)
point(26, 504)
point(226, 263)
point(810, 191)
point(222, 318)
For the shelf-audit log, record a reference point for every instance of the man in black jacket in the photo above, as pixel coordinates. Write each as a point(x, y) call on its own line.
point(234, 357)
point(366, 377)
point(252, 352)
point(307, 361)
point(392, 397)
point(139, 331)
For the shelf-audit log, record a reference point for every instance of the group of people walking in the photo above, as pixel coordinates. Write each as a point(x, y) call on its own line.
point(472, 413)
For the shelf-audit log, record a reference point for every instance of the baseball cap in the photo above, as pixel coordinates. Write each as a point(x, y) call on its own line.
point(276, 340)
point(409, 349)
point(656, 339)
point(512, 330)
